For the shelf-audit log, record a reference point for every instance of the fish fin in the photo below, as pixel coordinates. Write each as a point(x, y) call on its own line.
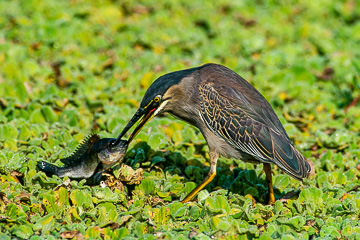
point(83, 148)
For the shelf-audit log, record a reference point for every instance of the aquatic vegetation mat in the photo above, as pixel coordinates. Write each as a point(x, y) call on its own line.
point(68, 68)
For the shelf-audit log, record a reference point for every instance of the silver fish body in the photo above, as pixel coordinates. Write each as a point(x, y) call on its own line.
point(91, 158)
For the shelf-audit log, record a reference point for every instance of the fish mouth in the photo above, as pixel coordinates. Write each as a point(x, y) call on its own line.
point(145, 114)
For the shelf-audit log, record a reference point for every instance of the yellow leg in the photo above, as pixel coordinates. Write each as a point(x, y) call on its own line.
point(212, 173)
point(267, 169)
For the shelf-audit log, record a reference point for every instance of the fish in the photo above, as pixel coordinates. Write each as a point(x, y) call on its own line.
point(91, 158)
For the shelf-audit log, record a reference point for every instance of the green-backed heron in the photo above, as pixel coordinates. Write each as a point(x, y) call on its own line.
point(235, 119)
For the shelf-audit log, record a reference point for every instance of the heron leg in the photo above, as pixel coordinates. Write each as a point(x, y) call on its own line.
point(267, 169)
point(212, 173)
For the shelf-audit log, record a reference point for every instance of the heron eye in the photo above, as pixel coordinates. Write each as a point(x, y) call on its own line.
point(157, 99)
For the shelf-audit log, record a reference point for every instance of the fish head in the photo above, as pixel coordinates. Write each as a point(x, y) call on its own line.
point(111, 155)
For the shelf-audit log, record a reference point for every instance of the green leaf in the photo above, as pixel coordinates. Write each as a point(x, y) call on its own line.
point(92, 232)
point(121, 233)
point(203, 195)
point(49, 114)
point(147, 186)
point(189, 186)
point(281, 181)
point(22, 231)
point(15, 212)
point(157, 159)
point(177, 209)
point(31, 67)
point(8, 132)
point(62, 197)
point(140, 228)
point(25, 133)
point(21, 92)
point(287, 237)
point(46, 223)
point(70, 116)
point(106, 213)
point(161, 215)
point(329, 231)
point(194, 212)
point(217, 204)
point(81, 198)
point(37, 117)
point(4, 236)
point(155, 140)
point(311, 196)
point(220, 224)
point(297, 222)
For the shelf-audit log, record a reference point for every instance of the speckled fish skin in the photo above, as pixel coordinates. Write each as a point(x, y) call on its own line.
point(93, 156)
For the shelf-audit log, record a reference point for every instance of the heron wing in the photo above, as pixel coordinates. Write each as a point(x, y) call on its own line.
point(244, 129)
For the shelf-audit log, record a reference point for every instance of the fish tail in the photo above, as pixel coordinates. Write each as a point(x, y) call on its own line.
point(48, 168)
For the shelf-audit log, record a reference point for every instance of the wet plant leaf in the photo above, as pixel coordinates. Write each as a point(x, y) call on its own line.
point(22, 231)
point(147, 186)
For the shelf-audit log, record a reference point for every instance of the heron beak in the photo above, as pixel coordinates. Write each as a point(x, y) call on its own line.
point(145, 115)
